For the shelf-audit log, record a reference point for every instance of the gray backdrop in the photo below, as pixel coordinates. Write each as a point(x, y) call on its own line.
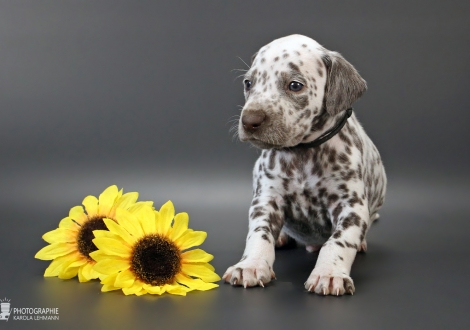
point(143, 94)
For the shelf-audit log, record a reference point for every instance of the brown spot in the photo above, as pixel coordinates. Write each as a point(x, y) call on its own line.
point(340, 244)
point(351, 219)
point(332, 198)
point(350, 245)
point(273, 205)
point(269, 175)
point(337, 234)
point(265, 237)
point(336, 212)
point(320, 72)
point(294, 67)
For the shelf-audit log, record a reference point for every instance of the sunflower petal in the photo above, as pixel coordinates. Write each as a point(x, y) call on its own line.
point(68, 223)
point(141, 292)
point(55, 250)
point(60, 263)
point(133, 289)
point(200, 271)
point(99, 255)
point(209, 266)
point(194, 283)
point(68, 273)
point(196, 255)
point(129, 222)
point(79, 262)
point(60, 235)
point(119, 230)
point(78, 214)
point(112, 246)
point(111, 266)
point(147, 219)
point(167, 213)
point(107, 288)
point(108, 234)
point(190, 239)
point(126, 200)
point(137, 206)
point(110, 279)
point(176, 289)
point(180, 225)
point(153, 289)
point(125, 279)
point(87, 272)
point(107, 199)
point(94, 274)
point(207, 286)
point(91, 205)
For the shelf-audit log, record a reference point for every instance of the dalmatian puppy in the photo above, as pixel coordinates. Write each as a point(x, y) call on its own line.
point(319, 178)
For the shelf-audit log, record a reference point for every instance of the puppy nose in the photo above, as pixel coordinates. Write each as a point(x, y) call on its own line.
point(252, 121)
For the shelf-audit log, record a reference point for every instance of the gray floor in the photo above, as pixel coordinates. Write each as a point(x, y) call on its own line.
point(415, 274)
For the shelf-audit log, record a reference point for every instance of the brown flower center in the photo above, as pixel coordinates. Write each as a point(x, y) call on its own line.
point(85, 236)
point(155, 260)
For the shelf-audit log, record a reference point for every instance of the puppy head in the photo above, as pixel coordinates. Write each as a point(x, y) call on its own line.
point(293, 84)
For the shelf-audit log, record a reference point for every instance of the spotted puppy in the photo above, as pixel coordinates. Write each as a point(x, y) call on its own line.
point(316, 181)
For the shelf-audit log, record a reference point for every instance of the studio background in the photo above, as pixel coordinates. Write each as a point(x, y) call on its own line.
point(143, 95)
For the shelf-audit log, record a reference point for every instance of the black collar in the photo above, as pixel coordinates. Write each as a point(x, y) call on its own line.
point(328, 134)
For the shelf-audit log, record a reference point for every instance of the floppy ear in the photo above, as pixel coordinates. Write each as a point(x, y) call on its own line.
point(344, 85)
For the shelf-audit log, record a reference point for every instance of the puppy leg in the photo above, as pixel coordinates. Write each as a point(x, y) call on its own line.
point(331, 272)
point(256, 266)
point(363, 246)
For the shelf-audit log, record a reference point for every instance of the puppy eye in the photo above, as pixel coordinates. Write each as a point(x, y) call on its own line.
point(295, 86)
point(248, 84)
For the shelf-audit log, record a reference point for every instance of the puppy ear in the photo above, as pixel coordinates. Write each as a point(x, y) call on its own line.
point(344, 85)
point(253, 57)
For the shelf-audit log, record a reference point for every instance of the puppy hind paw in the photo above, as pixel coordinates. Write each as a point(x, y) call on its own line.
point(282, 240)
point(312, 248)
point(362, 247)
point(374, 217)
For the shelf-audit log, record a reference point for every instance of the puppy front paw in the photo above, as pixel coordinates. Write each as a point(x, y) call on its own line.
point(329, 282)
point(250, 272)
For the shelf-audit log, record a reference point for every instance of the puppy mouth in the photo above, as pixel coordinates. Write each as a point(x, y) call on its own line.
point(262, 144)
point(266, 137)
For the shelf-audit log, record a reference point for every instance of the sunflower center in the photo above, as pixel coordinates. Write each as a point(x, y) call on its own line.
point(85, 236)
point(155, 260)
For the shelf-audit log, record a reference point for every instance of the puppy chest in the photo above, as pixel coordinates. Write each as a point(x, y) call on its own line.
point(306, 216)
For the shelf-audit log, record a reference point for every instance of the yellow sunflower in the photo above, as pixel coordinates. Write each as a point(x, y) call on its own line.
point(143, 252)
point(71, 243)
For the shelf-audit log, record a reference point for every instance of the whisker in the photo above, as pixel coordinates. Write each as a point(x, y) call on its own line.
point(244, 62)
point(242, 75)
point(243, 70)
point(234, 116)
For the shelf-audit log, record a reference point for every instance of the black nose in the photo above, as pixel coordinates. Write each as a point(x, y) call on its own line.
point(252, 121)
